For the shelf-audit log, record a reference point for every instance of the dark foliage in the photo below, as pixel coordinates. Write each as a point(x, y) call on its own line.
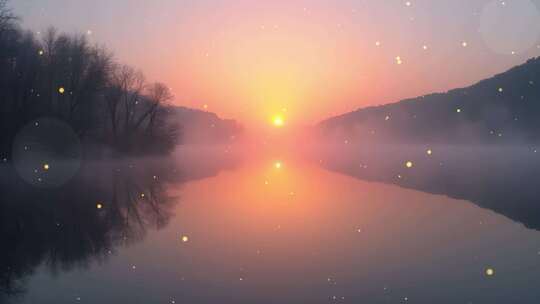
point(66, 78)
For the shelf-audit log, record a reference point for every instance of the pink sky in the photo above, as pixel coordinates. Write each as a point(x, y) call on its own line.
point(307, 60)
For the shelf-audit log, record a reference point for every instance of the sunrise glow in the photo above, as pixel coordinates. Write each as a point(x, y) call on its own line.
point(278, 121)
point(315, 57)
point(240, 151)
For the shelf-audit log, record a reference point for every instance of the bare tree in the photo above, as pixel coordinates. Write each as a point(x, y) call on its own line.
point(157, 94)
point(122, 97)
point(63, 76)
point(6, 16)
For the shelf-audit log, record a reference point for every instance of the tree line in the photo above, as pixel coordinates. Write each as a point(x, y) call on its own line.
point(65, 77)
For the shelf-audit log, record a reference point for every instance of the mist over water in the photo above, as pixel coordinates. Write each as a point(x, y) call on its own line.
point(332, 223)
point(304, 151)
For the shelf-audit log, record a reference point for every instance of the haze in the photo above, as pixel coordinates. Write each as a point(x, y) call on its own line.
point(303, 60)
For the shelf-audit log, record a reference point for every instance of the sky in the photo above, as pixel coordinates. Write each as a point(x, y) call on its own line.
point(302, 60)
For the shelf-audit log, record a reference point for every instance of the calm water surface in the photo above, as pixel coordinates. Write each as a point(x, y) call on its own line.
point(210, 229)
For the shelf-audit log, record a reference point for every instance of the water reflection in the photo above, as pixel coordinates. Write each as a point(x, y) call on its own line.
point(295, 233)
point(502, 179)
point(106, 206)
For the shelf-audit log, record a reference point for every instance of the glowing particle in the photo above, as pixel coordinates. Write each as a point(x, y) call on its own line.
point(398, 60)
point(41, 52)
point(387, 117)
point(429, 152)
point(46, 167)
point(490, 272)
point(185, 238)
point(266, 182)
point(89, 32)
point(425, 47)
point(464, 44)
point(99, 206)
point(501, 90)
point(458, 110)
point(409, 164)
point(142, 195)
point(205, 106)
point(408, 3)
point(277, 165)
point(61, 90)
point(377, 43)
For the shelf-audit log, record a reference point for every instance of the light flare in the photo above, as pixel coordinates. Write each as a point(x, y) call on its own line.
point(278, 121)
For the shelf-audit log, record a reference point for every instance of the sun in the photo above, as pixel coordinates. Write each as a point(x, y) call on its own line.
point(278, 121)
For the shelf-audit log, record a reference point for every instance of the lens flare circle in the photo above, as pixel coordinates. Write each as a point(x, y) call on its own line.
point(46, 153)
point(510, 27)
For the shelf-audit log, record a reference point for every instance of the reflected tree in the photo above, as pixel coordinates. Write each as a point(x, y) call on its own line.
point(80, 223)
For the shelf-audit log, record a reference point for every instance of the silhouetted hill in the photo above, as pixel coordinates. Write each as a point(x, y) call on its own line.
point(201, 127)
point(501, 109)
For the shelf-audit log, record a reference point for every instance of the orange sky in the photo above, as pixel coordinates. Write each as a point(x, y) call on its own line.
point(307, 60)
